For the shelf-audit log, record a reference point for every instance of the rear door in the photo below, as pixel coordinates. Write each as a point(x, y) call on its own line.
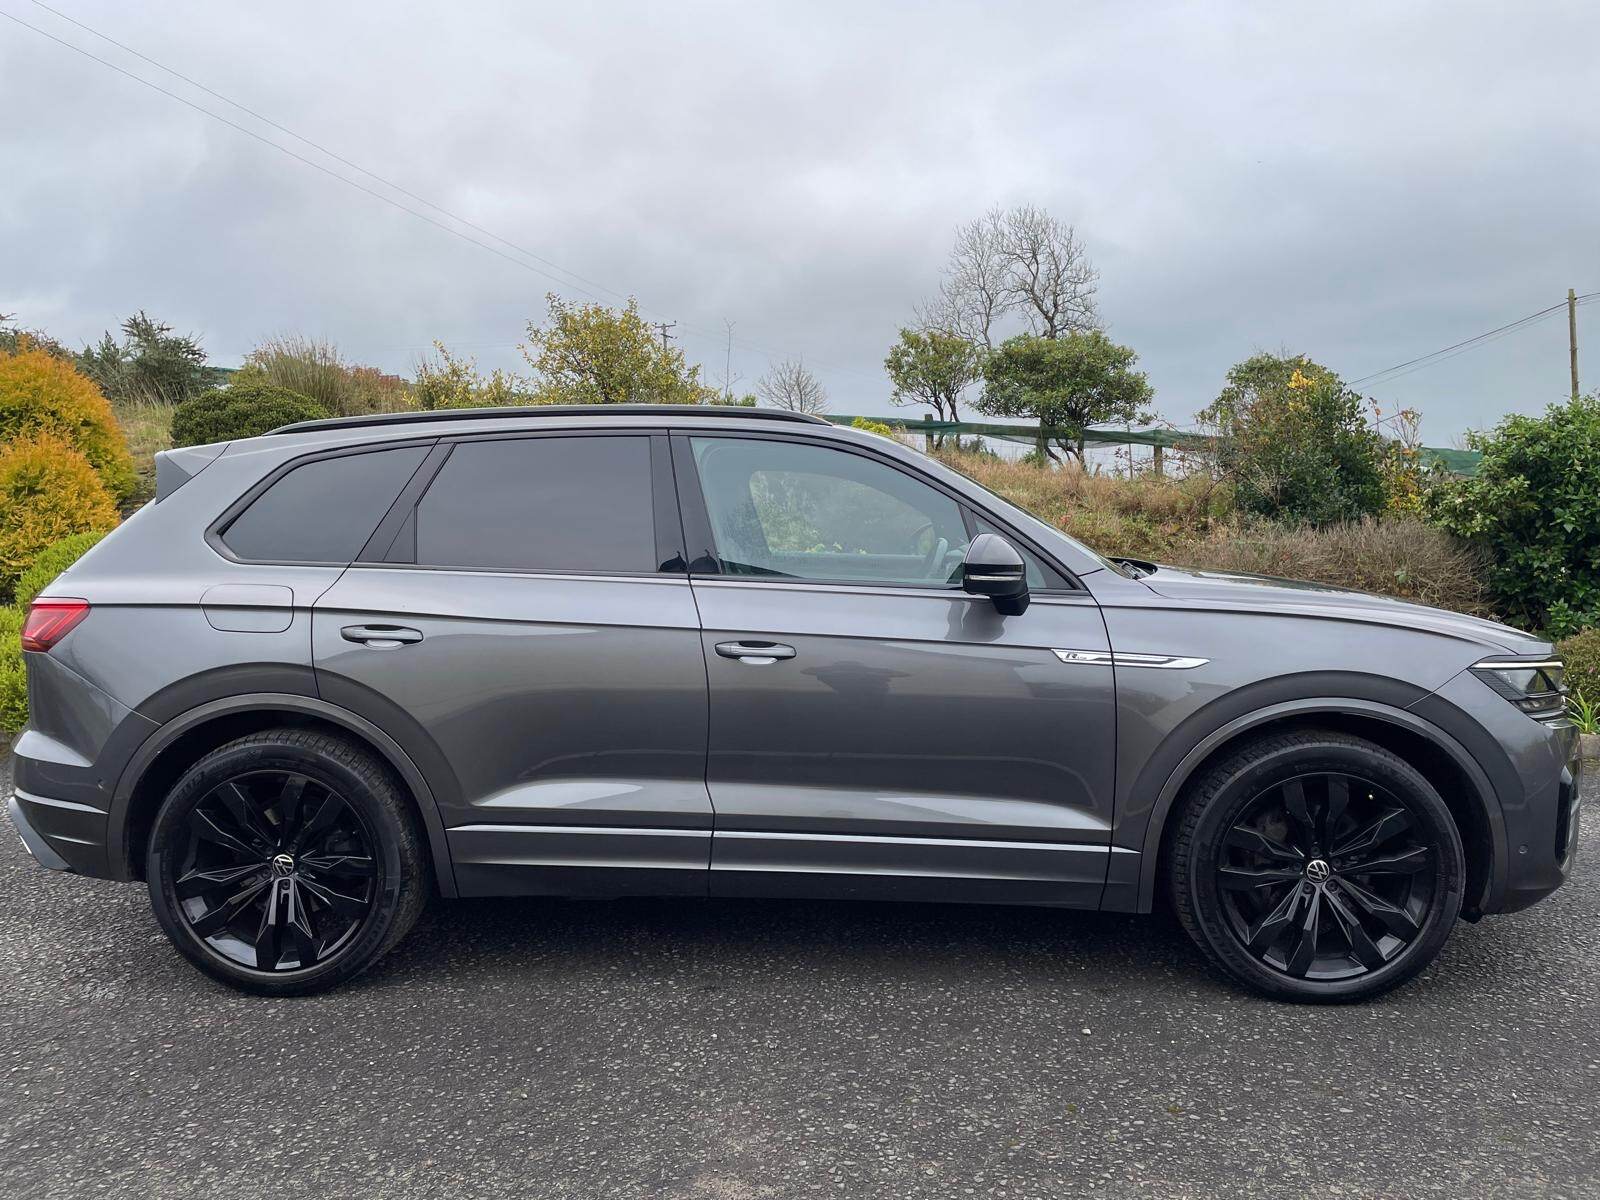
point(875, 731)
point(523, 624)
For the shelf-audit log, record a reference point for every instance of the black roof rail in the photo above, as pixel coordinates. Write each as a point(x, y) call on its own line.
point(551, 410)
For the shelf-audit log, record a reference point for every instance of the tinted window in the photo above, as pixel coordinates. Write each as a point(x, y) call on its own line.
point(813, 512)
point(541, 504)
point(325, 510)
point(1040, 577)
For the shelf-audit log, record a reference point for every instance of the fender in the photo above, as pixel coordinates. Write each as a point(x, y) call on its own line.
point(1116, 896)
point(391, 750)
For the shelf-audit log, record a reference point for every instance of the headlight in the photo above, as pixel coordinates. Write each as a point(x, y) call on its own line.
point(1533, 685)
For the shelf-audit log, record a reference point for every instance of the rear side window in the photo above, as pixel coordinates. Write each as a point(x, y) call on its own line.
point(323, 511)
point(579, 504)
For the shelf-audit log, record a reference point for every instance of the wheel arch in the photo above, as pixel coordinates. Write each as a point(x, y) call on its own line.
point(1441, 759)
point(181, 740)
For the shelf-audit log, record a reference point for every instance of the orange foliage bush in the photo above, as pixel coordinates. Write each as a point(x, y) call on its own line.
point(48, 491)
point(42, 395)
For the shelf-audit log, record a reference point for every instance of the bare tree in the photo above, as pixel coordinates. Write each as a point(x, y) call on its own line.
point(975, 290)
point(1018, 261)
point(1048, 274)
point(788, 384)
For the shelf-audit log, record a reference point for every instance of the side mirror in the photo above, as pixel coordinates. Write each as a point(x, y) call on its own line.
point(993, 568)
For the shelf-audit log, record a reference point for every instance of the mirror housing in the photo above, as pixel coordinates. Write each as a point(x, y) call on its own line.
point(993, 568)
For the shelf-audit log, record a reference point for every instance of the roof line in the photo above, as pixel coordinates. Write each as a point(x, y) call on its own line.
point(429, 416)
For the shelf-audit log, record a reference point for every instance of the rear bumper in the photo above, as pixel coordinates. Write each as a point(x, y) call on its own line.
point(62, 835)
point(32, 841)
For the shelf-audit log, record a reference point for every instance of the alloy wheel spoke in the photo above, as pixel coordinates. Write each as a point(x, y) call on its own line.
point(318, 825)
point(1242, 837)
point(1294, 800)
point(342, 866)
point(219, 918)
point(1396, 920)
point(204, 826)
point(1403, 862)
point(350, 908)
point(1241, 879)
point(1305, 949)
point(1361, 945)
point(299, 926)
point(1271, 926)
point(1338, 801)
point(270, 934)
point(291, 805)
point(1390, 825)
point(242, 809)
point(209, 882)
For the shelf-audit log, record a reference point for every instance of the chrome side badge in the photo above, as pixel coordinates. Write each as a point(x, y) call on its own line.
point(1121, 658)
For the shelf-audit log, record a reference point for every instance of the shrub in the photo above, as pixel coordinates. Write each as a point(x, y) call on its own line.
point(452, 382)
point(53, 560)
point(1295, 443)
point(13, 679)
point(877, 427)
point(1534, 505)
point(314, 368)
point(247, 407)
point(48, 491)
point(1582, 652)
point(42, 395)
point(151, 364)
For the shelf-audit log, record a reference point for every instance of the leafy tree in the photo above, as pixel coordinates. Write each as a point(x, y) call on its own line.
point(150, 363)
point(933, 368)
point(14, 339)
point(1535, 506)
point(457, 383)
point(591, 354)
point(1295, 442)
point(1066, 383)
point(790, 385)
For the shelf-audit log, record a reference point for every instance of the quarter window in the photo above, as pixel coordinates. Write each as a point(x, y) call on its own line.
point(324, 510)
point(797, 511)
point(579, 504)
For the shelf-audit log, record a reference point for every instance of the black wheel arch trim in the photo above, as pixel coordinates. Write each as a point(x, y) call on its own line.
point(1483, 789)
point(175, 727)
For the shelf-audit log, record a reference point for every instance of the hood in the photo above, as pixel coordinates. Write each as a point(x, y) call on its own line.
point(1236, 590)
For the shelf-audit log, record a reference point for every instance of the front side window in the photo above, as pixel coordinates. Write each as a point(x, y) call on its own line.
point(796, 511)
point(579, 504)
point(323, 510)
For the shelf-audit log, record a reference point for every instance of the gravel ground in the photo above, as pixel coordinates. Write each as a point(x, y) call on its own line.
point(729, 1050)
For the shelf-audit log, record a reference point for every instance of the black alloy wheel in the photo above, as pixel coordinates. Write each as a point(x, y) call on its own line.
point(286, 862)
point(278, 873)
point(1316, 866)
point(1326, 876)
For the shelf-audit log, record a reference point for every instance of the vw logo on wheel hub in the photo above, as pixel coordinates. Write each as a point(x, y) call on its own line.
point(1317, 871)
point(282, 864)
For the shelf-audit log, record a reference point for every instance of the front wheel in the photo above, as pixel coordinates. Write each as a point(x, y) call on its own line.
point(285, 863)
point(1317, 867)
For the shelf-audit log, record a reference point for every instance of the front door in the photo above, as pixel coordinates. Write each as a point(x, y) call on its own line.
point(875, 731)
point(527, 632)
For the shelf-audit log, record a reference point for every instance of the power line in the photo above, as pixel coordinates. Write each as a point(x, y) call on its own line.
point(488, 233)
point(1389, 374)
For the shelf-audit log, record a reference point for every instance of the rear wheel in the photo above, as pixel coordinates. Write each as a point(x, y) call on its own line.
point(1317, 867)
point(285, 862)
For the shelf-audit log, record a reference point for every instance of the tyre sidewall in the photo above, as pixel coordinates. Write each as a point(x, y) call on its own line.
point(166, 845)
point(1247, 779)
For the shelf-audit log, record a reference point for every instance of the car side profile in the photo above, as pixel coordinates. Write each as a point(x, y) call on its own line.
point(331, 672)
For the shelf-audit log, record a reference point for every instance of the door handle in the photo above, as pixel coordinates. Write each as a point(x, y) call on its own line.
point(380, 637)
point(757, 654)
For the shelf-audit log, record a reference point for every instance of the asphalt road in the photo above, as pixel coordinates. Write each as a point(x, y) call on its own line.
point(730, 1050)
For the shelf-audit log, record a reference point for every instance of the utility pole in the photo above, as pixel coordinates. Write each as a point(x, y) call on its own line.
point(664, 326)
point(1572, 337)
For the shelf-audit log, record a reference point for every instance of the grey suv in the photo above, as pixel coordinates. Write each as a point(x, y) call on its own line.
point(332, 671)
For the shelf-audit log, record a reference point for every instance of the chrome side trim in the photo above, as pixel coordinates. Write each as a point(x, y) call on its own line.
point(1122, 658)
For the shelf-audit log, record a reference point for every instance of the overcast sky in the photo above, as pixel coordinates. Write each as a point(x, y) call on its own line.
point(1363, 183)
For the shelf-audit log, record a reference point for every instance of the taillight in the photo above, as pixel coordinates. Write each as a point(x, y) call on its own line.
point(50, 620)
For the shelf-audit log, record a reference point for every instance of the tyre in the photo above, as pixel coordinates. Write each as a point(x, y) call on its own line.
point(1316, 867)
point(285, 863)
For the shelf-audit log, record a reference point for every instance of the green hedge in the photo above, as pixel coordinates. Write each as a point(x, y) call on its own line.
point(248, 407)
point(13, 682)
